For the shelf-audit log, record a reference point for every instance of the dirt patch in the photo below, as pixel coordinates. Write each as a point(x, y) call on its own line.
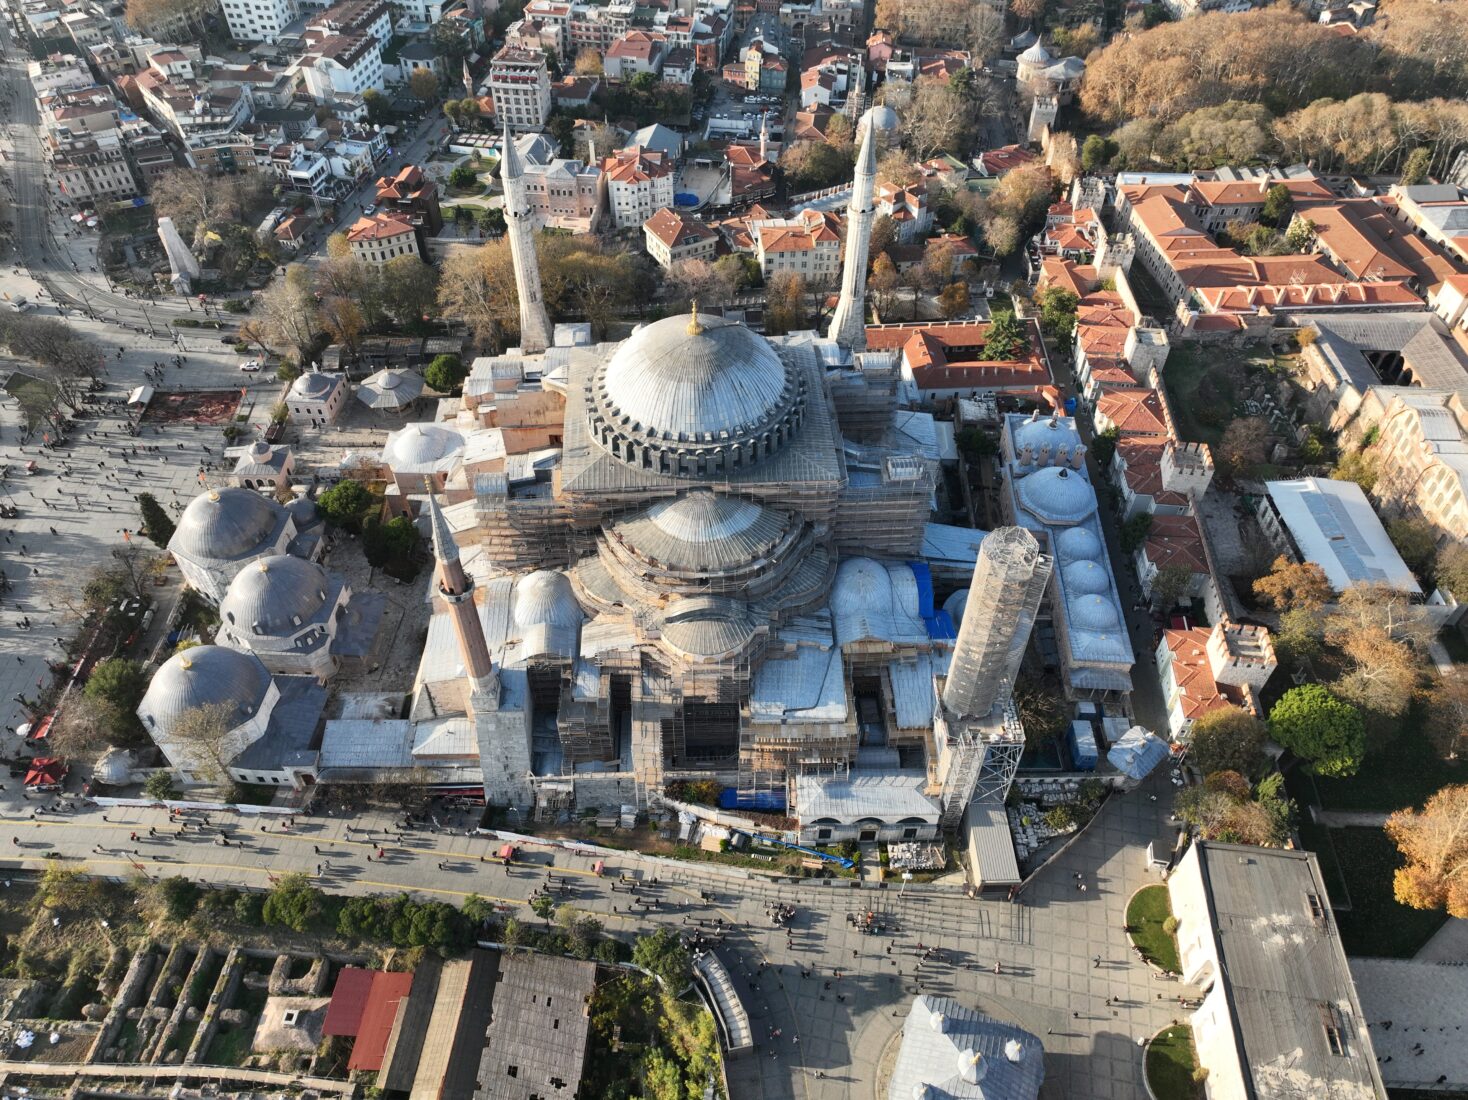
point(193, 407)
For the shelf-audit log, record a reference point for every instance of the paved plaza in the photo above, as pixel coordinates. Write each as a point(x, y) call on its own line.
point(1047, 944)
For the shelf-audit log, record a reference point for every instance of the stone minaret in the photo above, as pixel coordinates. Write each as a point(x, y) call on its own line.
point(848, 323)
point(457, 592)
point(764, 137)
point(535, 326)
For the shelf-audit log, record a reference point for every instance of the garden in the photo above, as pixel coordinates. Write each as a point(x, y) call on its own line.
point(1172, 1067)
point(1151, 925)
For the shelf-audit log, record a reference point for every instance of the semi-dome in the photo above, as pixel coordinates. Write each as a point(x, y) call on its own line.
point(203, 676)
point(1078, 543)
point(1085, 578)
point(274, 596)
point(1093, 613)
point(703, 531)
point(225, 523)
point(1057, 495)
point(690, 396)
point(545, 598)
point(862, 585)
point(707, 627)
point(419, 445)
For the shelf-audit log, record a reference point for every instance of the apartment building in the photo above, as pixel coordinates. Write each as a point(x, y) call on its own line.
point(554, 17)
point(1422, 447)
point(639, 183)
point(672, 237)
point(259, 20)
point(196, 112)
point(343, 65)
point(372, 17)
point(378, 238)
point(93, 169)
point(412, 197)
point(1204, 670)
point(61, 73)
point(565, 194)
point(633, 54)
point(519, 82)
point(908, 208)
point(807, 244)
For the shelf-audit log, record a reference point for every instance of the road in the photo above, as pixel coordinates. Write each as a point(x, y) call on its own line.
point(1066, 971)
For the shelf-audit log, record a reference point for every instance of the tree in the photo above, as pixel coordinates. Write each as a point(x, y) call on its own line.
point(1319, 728)
point(178, 897)
point(450, 43)
point(159, 786)
point(938, 119)
point(346, 505)
point(698, 280)
point(478, 287)
point(287, 314)
point(1416, 168)
point(1294, 586)
point(1040, 709)
point(203, 735)
point(1434, 843)
point(1058, 313)
point(1027, 10)
point(156, 524)
point(543, 906)
point(896, 168)
point(1226, 739)
point(391, 546)
point(812, 165)
point(664, 954)
point(1416, 541)
point(1232, 132)
point(1005, 338)
point(1299, 636)
point(1024, 194)
point(1103, 446)
point(160, 17)
point(1245, 444)
point(294, 903)
point(953, 301)
point(588, 63)
point(192, 199)
point(463, 177)
point(1096, 152)
point(1362, 467)
point(1002, 234)
point(423, 85)
point(1376, 605)
point(343, 320)
point(491, 221)
point(379, 110)
point(409, 288)
point(117, 683)
point(1135, 530)
point(1451, 570)
point(738, 271)
point(1279, 206)
point(882, 285)
point(1169, 585)
point(785, 304)
point(1447, 714)
point(83, 728)
point(445, 374)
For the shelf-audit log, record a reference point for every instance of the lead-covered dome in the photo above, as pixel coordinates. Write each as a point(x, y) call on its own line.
point(695, 396)
point(203, 676)
point(274, 596)
point(707, 627)
point(1057, 495)
point(1077, 544)
point(703, 531)
point(225, 523)
point(1086, 578)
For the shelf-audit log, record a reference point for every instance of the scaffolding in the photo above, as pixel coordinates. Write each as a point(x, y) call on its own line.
point(976, 759)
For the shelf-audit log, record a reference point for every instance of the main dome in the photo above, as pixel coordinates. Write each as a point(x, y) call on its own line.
point(274, 596)
point(688, 395)
point(225, 523)
point(204, 676)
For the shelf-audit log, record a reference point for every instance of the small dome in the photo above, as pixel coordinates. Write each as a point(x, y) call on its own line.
point(972, 1067)
point(1057, 495)
point(704, 517)
point(861, 585)
point(313, 385)
point(225, 523)
point(1078, 544)
point(545, 597)
point(420, 445)
point(1046, 431)
point(273, 596)
point(1036, 55)
point(1085, 578)
point(114, 767)
point(1094, 613)
point(202, 676)
point(883, 119)
point(260, 451)
point(707, 626)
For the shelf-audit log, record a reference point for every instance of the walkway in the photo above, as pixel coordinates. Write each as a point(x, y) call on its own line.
point(210, 1073)
point(1342, 819)
point(1046, 946)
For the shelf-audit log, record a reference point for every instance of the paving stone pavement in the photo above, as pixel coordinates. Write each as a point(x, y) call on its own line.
point(1046, 944)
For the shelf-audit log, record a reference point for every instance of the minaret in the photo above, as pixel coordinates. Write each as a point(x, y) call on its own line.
point(848, 323)
point(457, 592)
point(764, 137)
point(535, 326)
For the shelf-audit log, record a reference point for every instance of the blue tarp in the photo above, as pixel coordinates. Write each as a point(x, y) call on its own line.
point(731, 798)
point(1083, 752)
point(938, 621)
point(1137, 752)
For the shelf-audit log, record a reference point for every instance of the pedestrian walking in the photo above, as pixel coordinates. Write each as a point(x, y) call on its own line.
point(1096, 963)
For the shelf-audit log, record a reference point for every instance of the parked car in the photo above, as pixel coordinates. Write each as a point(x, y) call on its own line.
point(250, 366)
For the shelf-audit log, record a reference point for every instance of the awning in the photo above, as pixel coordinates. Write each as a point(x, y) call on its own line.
point(140, 396)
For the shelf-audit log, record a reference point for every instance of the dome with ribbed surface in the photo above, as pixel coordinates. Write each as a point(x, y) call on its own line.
point(703, 531)
point(1086, 578)
point(274, 596)
point(225, 523)
point(707, 626)
point(1056, 495)
point(313, 385)
point(689, 395)
point(202, 676)
point(1036, 55)
point(545, 597)
point(1094, 613)
point(1077, 544)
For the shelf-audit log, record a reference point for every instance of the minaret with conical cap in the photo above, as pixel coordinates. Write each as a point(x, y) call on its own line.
point(848, 323)
point(535, 326)
point(456, 590)
point(764, 136)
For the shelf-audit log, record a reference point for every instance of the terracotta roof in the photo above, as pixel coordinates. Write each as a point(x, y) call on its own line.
point(635, 164)
point(674, 230)
point(1198, 691)
point(378, 227)
point(1134, 411)
point(1074, 277)
point(1251, 299)
point(388, 988)
point(1176, 540)
point(1371, 244)
point(1001, 160)
point(948, 355)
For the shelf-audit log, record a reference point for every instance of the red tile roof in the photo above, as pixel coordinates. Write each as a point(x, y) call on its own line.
point(1134, 411)
point(1198, 691)
point(388, 989)
point(948, 355)
point(348, 1001)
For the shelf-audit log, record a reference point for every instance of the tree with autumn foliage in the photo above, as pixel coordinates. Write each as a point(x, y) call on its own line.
point(1292, 586)
point(1434, 842)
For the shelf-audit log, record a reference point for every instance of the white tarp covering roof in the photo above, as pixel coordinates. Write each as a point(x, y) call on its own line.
point(1335, 526)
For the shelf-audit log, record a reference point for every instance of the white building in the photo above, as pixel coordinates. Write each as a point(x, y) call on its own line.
point(1332, 524)
point(263, 465)
point(639, 183)
point(1202, 670)
point(316, 399)
point(258, 20)
point(223, 530)
point(285, 611)
point(671, 237)
point(343, 64)
point(1279, 1015)
point(378, 238)
point(519, 82)
point(63, 73)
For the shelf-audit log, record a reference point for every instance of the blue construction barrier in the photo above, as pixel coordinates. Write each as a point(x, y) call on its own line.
point(815, 853)
point(938, 621)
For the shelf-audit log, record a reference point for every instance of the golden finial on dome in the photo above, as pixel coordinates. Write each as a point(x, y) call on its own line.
point(694, 328)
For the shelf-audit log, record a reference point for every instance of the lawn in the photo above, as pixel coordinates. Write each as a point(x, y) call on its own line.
point(1400, 774)
point(1170, 1064)
point(1145, 913)
point(1192, 385)
point(1364, 860)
